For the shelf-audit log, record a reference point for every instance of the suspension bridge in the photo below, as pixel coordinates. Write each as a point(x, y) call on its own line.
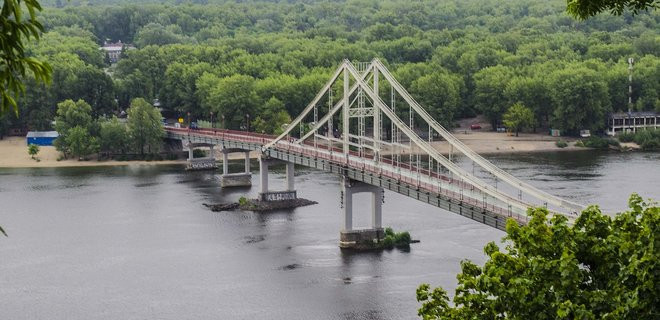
point(364, 126)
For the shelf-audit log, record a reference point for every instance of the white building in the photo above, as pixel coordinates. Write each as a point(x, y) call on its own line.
point(113, 50)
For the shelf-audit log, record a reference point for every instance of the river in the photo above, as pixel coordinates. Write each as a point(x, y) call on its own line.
point(137, 243)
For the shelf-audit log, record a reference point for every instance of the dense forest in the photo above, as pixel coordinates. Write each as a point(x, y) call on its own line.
point(268, 59)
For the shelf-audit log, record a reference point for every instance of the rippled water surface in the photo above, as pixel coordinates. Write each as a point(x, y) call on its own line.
point(137, 243)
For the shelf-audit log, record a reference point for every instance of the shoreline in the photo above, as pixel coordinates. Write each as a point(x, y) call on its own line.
point(13, 150)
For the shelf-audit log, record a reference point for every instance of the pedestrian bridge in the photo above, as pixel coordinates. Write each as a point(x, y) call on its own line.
point(354, 127)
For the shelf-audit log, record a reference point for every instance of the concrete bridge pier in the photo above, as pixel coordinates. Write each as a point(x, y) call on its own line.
point(362, 238)
point(239, 179)
point(265, 193)
point(205, 163)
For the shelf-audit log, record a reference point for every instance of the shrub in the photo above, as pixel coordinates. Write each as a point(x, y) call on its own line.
point(626, 137)
point(402, 238)
point(197, 153)
point(600, 143)
point(388, 242)
point(33, 150)
point(392, 239)
point(243, 201)
point(561, 144)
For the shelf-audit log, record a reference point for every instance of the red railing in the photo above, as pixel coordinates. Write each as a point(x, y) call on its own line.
point(326, 152)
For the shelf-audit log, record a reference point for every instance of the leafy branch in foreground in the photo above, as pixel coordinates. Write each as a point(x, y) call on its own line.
point(601, 267)
point(14, 62)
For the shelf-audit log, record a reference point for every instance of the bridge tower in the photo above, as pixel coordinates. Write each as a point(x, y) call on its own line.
point(238, 179)
point(352, 238)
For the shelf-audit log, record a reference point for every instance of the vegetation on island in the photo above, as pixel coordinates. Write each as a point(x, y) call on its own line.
point(598, 267)
point(395, 239)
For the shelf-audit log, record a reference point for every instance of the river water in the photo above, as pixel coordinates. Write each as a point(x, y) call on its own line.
point(137, 243)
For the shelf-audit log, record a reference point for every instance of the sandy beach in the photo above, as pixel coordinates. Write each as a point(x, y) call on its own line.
point(13, 150)
point(13, 154)
point(488, 142)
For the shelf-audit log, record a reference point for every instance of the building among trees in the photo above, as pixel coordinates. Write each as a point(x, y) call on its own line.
point(114, 50)
point(632, 121)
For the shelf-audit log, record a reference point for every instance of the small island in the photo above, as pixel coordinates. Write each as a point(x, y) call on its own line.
point(376, 239)
point(260, 205)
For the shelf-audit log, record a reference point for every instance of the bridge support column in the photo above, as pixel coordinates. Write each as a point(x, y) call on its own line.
point(290, 176)
point(363, 238)
point(247, 161)
point(263, 175)
point(240, 179)
point(205, 163)
point(267, 195)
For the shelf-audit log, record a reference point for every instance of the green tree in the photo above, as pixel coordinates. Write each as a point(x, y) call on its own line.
point(580, 99)
point(113, 137)
point(533, 93)
point(583, 9)
point(70, 115)
point(440, 93)
point(145, 128)
point(33, 150)
point(14, 60)
point(271, 118)
point(490, 87)
point(80, 143)
point(235, 98)
point(599, 267)
point(518, 117)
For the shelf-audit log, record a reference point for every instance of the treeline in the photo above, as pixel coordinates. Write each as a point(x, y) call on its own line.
point(265, 60)
point(81, 135)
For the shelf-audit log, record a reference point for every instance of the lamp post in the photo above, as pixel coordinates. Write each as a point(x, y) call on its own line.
point(223, 122)
point(212, 124)
point(188, 113)
point(247, 125)
point(631, 123)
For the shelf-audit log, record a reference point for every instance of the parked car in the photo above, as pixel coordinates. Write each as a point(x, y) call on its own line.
point(475, 126)
point(193, 125)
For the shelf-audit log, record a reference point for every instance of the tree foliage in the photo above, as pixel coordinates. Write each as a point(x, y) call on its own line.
point(33, 150)
point(72, 115)
point(113, 136)
point(518, 117)
point(583, 9)
point(599, 267)
point(145, 128)
point(457, 58)
point(14, 60)
point(80, 143)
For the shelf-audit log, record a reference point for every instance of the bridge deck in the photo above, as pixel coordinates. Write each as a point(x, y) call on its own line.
point(421, 184)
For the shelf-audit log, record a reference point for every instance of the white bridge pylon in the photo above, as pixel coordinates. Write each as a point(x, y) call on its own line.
point(373, 130)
